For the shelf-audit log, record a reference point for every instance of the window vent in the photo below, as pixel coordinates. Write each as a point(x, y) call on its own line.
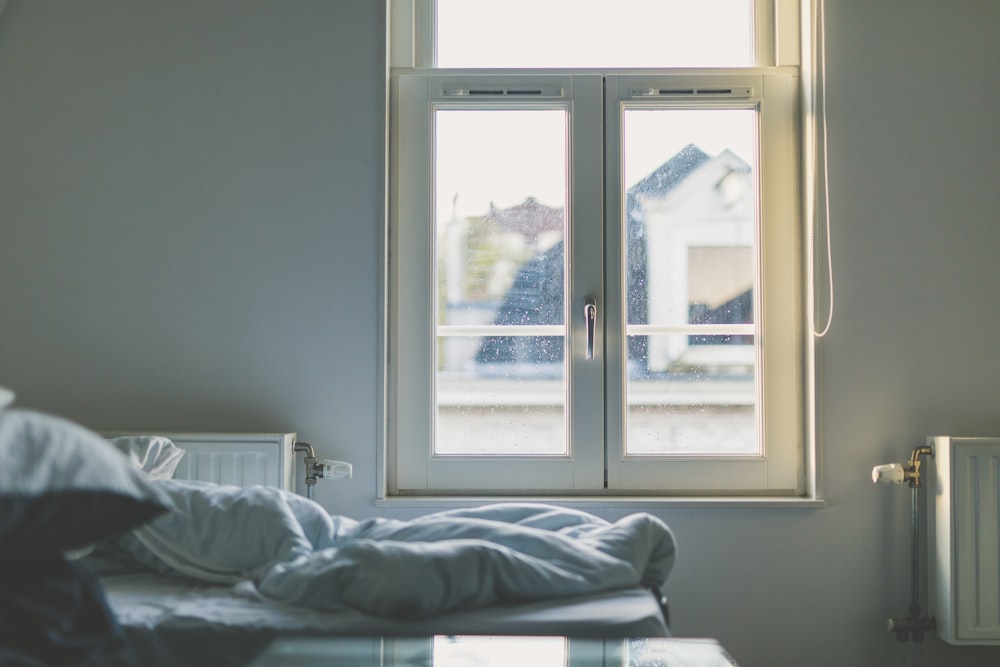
point(692, 92)
point(503, 92)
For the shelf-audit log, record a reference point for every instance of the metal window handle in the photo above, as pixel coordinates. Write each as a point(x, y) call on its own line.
point(590, 319)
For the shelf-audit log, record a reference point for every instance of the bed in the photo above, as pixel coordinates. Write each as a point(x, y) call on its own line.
point(146, 593)
point(167, 622)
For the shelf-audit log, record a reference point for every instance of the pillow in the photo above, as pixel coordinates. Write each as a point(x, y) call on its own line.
point(6, 397)
point(153, 454)
point(63, 487)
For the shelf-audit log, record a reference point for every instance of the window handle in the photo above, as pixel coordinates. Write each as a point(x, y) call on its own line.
point(590, 319)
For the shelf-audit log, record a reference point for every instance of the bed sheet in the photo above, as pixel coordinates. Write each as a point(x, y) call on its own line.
point(171, 620)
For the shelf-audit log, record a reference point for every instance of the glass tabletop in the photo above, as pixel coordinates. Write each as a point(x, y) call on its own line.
point(495, 651)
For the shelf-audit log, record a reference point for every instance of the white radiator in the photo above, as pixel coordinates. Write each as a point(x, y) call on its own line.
point(963, 522)
point(240, 459)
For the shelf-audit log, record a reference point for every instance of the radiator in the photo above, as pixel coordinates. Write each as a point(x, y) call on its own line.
point(963, 521)
point(240, 459)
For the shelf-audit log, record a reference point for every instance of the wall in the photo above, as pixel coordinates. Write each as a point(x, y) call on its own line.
point(190, 203)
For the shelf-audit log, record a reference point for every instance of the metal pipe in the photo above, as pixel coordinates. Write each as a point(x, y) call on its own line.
point(915, 484)
point(310, 464)
point(914, 626)
point(914, 556)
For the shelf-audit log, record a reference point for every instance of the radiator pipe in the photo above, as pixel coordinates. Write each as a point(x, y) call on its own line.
point(914, 551)
point(312, 466)
point(914, 626)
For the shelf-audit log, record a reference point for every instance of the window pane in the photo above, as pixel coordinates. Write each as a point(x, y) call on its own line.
point(594, 33)
point(702, 406)
point(501, 201)
point(690, 208)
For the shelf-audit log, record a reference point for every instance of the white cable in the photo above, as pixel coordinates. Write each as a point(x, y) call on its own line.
point(821, 111)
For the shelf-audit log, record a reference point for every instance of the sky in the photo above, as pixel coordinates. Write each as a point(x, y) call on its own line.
point(594, 33)
point(482, 160)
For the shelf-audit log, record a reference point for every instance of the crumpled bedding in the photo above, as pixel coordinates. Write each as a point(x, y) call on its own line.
point(293, 551)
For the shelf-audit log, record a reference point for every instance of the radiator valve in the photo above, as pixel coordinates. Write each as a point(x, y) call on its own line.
point(321, 469)
point(336, 469)
point(889, 473)
point(897, 473)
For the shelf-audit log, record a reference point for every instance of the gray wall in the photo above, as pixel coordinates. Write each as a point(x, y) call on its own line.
point(190, 203)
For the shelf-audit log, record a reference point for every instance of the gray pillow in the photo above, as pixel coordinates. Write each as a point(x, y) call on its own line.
point(63, 487)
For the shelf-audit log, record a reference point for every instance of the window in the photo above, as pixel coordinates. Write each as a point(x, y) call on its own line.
point(595, 270)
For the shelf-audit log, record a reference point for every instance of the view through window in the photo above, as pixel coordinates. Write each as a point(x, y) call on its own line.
point(501, 238)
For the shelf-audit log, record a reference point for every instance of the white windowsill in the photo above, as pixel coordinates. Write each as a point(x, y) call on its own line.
point(637, 503)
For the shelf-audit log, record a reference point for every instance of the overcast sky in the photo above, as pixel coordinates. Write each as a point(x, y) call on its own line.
point(482, 160)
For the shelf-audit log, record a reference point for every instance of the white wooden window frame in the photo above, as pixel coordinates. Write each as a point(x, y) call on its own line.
point(595, 465)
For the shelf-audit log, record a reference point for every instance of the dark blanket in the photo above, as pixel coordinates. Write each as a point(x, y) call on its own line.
point(53, 612)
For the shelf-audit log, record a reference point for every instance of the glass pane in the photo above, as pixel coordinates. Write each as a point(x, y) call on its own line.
point(690, 209)
point(499, 651)
point(500, 220)
point(594, 33)
point(702, 407)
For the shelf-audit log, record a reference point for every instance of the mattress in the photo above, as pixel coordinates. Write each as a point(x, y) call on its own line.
point(170, 620)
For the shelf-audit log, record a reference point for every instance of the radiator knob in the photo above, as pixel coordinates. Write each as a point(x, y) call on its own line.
point(337, 469)
point(889, 473)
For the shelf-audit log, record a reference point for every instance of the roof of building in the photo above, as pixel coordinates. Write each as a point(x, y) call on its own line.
point(671, 173)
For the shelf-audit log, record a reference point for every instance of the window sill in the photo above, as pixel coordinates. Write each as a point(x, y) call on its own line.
point(632, 503)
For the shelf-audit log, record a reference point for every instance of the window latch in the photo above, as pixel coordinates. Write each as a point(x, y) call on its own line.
point(590, 320)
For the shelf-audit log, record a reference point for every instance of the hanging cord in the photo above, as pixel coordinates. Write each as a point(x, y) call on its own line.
point(825, 195)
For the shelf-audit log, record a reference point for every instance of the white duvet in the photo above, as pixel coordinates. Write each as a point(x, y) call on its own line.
point(292, 550)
